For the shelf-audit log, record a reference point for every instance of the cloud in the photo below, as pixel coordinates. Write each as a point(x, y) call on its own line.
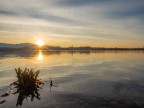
point(127, 11)
point(107, 19)
point(36, 14)
point(80, 2)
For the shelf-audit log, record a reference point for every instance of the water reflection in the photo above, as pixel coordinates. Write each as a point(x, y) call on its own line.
point(52, 85)
point(83, 78)
point(24, 94)
point(40, 55)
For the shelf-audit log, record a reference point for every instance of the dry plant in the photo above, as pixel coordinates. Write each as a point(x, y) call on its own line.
point(27, 84)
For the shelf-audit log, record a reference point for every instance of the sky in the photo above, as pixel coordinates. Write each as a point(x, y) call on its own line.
point(98, 23)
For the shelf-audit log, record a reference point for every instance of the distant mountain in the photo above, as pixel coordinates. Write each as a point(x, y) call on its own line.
point(22, 45)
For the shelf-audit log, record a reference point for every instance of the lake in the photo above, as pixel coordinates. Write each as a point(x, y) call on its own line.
point(98, 79)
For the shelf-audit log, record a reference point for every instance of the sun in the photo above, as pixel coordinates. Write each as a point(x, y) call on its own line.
point(40, 43)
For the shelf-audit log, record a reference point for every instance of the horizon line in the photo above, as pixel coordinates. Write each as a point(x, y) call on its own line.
point(70, 46)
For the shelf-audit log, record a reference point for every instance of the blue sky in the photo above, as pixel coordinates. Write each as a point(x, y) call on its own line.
point(108, 23)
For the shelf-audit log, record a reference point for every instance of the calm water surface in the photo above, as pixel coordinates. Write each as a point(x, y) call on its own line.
point(102, 79)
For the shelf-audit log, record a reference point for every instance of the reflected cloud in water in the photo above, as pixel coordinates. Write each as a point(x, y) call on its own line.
point(116, 76)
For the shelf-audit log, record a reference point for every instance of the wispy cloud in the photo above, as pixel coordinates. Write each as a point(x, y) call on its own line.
point(116, 20)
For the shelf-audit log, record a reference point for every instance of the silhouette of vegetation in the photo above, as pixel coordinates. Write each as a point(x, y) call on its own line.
point(27, 84)
point(29, 47)
point(51, 84)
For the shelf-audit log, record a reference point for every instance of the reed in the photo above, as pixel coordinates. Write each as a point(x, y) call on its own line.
point(27, 84)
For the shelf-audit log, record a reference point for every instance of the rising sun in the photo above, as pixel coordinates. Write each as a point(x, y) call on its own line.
point(40, 43)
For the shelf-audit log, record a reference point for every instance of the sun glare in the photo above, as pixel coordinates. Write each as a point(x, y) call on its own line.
point(40, 43)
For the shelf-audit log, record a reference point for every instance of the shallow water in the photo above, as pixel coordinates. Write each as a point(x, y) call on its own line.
point(102, 79)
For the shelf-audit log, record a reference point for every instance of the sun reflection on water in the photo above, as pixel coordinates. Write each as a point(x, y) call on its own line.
point(40, 56)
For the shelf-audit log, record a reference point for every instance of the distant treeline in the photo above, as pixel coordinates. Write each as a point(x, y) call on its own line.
point(91, 48)
point(67, 48)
